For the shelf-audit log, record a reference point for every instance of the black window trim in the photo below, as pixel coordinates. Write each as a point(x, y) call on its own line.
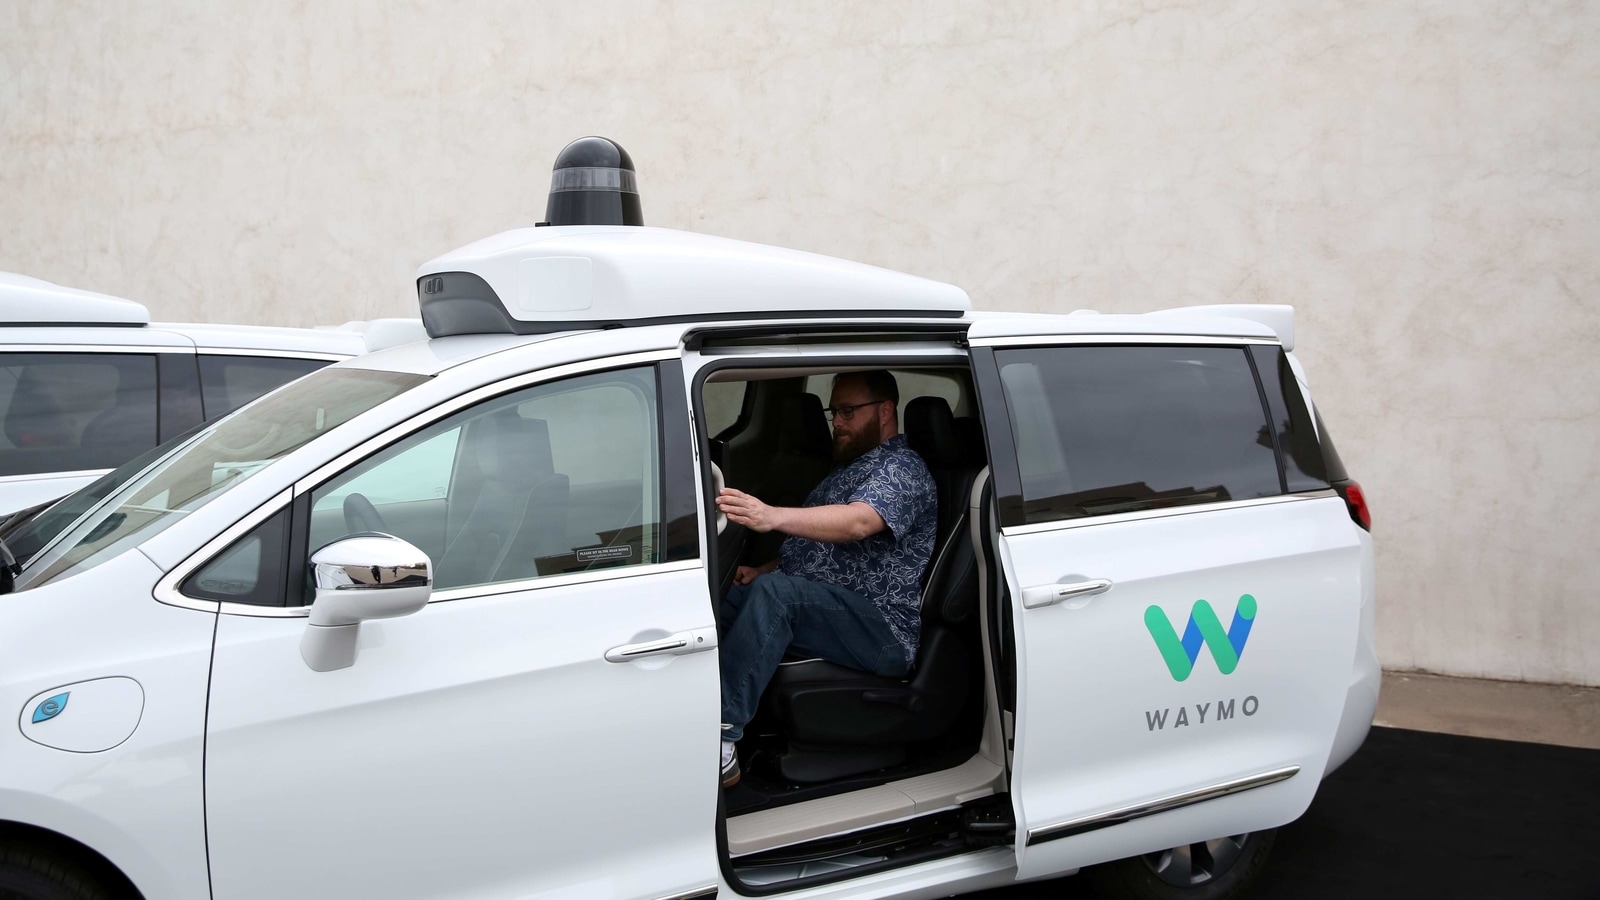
point(1301, 414)
point(680, 508)
point(1271, 422)
point(1005, 474)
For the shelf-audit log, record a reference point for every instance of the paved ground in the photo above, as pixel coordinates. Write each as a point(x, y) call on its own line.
point(1510, 710)
point(1423, 815)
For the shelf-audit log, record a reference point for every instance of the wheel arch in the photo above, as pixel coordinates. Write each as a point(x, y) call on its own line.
point(71, 850)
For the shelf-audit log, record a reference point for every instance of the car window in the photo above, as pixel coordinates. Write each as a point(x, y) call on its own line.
point(229, 382)
point(65, 412)
point(722, 402)
point(1305, 467)
point(553, 479)
point(420, 473)
point(1107, 429)
point(250, 570)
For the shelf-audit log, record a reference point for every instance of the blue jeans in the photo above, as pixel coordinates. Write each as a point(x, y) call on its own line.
point(775, 613)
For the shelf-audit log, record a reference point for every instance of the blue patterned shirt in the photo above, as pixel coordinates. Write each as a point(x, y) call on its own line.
point(886, 567)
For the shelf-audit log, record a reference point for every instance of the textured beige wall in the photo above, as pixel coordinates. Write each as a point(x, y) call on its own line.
point(1419, 179)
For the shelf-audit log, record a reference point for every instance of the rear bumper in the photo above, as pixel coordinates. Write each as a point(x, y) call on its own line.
point(1366, 676)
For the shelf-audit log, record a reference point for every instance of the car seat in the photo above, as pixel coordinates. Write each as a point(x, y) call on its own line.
point(841, 721)
point(515, 507)
point(803, 458)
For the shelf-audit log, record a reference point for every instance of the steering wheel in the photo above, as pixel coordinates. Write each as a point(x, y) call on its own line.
point(360, 515)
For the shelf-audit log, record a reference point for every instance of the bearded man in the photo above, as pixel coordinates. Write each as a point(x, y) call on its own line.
point(846, 584)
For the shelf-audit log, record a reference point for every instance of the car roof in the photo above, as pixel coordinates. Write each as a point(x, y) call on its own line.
point(533, 280)
point(31, 301)
point(332, 341)
point(1256, 322)
point(566, 278)
point(33, 311)
point(437, 355)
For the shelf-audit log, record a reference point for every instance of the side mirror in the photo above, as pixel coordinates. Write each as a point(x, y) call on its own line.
point(360, 577)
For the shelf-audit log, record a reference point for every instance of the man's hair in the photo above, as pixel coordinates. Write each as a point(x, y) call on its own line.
point(879, 383)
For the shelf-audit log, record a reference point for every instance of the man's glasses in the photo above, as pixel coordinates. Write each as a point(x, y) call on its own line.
point(848, 412)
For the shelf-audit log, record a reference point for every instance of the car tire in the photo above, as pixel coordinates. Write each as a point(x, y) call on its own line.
point(1219, 869)
point(30, 872)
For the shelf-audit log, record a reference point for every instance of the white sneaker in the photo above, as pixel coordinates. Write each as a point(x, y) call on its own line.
point(730, 765)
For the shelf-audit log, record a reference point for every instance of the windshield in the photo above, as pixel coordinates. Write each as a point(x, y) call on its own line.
point(143, 500)
point(31, 529)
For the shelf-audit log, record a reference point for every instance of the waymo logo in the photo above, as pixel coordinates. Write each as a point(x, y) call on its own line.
point(1204, 628)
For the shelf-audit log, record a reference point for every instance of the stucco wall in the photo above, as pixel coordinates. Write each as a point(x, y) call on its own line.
point(1419, 179)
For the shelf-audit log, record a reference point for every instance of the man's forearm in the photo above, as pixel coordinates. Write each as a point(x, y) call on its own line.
point(836, 524)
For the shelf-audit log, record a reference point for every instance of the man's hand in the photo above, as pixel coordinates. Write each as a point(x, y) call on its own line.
point(747, 574)
point(743, 509)
point(837, 523)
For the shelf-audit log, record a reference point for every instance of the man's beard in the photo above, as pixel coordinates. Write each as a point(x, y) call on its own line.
point(853, 445)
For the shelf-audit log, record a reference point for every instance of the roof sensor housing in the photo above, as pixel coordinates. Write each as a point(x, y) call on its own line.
point(593, 184)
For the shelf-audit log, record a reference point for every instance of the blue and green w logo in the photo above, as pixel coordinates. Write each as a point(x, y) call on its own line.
point(1204, 628)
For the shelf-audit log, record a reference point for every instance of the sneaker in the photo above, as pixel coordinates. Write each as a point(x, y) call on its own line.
point(730, 765)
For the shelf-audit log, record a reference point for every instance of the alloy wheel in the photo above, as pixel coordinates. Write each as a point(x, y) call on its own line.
point(1195, 864)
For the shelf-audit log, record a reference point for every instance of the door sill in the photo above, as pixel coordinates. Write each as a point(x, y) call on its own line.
point(854, 855)
point(850, 813)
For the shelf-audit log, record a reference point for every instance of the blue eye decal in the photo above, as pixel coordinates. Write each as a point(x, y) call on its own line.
point(50, 708)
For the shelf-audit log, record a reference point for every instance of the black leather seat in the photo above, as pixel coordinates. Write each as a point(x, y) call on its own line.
point(803, 458)
point(969, 434)
point(841, 721)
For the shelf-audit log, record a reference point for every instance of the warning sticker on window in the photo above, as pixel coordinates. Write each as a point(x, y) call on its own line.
point(598, 554)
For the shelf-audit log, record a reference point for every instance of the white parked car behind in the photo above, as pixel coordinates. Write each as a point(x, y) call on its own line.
point(87, 382)
point(441, 620)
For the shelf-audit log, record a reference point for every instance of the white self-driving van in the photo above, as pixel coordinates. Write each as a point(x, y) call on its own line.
point(441, 620)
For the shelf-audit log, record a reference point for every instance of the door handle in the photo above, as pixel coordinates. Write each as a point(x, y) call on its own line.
point(681, 644)
point(717, 484)
point(1050, 594)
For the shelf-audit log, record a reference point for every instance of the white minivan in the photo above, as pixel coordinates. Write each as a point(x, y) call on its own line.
point(87, 382)
point(440, 621)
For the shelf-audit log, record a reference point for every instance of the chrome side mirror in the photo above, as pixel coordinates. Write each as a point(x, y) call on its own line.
point(360, 577)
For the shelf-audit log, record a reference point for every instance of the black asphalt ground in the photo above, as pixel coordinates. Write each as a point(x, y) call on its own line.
point(1423, 815)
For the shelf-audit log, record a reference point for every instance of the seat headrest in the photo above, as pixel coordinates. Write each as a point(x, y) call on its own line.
point(512, 450)
point(803, 427)
point(931, 431)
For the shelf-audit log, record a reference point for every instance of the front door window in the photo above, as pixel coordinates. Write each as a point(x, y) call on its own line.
point(553, 479)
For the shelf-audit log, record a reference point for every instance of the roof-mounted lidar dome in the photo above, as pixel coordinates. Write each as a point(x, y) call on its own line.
point(597, 266)
point(593, 184)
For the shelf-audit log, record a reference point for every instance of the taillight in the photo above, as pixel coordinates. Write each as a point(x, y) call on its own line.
point(1356, 502)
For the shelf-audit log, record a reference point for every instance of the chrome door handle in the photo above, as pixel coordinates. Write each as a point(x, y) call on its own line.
point(680, 644)
point(1049, 594)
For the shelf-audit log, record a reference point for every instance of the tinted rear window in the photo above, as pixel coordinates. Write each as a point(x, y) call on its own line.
point(1109, 429)
point(229, 382)
point(64, 412)
point(1304, 468)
